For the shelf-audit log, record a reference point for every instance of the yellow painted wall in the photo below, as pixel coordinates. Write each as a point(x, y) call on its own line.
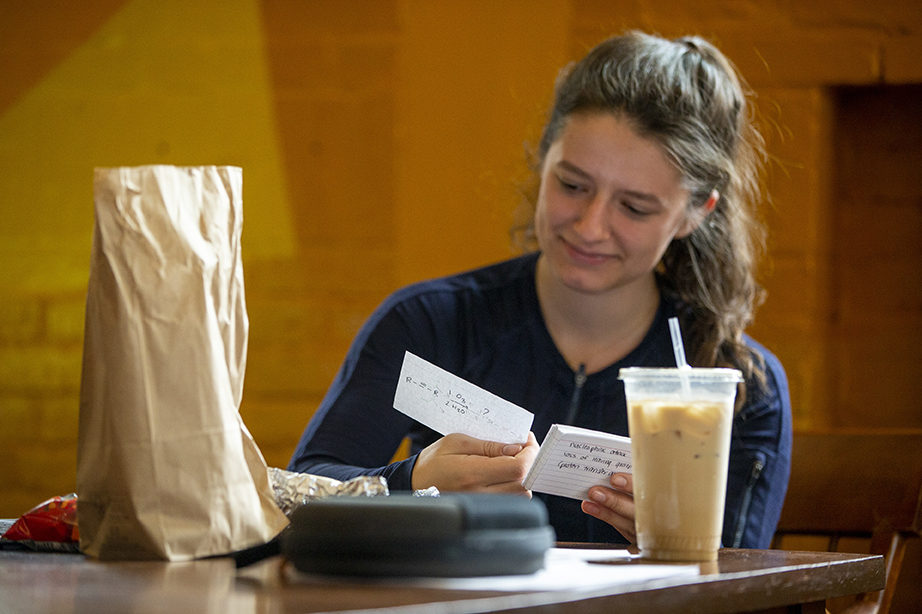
point(379, 140)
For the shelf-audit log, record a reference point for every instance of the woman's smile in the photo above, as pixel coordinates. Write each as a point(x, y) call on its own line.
point(585, 256)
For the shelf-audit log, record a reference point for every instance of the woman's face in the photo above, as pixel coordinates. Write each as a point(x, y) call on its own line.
point(608, 206)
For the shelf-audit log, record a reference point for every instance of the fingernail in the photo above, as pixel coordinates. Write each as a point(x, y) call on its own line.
point(511, 449)
point(597, 496)
point(618, 480)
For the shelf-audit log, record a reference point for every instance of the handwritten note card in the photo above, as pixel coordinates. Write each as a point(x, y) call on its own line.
point(573, 459)
point(447, 404)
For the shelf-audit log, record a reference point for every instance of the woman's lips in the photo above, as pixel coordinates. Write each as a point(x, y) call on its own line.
point(583, 257)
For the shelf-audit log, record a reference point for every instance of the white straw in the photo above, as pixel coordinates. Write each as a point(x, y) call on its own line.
point(678, 349)
point(677, 346)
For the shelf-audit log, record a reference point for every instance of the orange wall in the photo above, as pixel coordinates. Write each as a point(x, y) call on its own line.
point(379, 143)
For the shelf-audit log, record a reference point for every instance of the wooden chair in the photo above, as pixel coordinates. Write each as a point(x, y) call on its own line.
point(853, 484)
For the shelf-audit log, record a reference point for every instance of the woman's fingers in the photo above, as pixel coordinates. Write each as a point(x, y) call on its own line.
point(461, 463)
point(615, 505)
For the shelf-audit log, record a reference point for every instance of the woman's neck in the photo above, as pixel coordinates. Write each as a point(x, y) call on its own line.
point(595, 330)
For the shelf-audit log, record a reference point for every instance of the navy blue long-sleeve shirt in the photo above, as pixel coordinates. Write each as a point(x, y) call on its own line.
point(486, 327)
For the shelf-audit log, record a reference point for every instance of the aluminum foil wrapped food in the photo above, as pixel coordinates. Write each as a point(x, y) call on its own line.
point(293, 490)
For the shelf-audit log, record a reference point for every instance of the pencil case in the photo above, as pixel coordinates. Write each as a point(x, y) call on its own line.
point(452, 535)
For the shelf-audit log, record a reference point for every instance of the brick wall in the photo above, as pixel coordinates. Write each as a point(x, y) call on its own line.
point(40, 354)
point(876, 323)
point(333, 95)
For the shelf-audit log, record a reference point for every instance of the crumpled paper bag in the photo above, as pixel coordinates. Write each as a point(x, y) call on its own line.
point(166, 468)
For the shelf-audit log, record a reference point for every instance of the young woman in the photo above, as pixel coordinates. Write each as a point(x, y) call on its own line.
point(648, 176)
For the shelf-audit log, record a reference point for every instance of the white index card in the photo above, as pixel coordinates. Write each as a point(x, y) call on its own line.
point(447, 404)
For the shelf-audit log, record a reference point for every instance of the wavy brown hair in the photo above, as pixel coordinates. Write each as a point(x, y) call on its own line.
point(688, 97)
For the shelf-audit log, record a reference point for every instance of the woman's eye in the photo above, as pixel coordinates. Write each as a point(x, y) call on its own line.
point(634, 210)
point(569, 186)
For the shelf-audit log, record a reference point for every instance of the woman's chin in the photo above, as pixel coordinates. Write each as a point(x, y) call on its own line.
point(586, 284)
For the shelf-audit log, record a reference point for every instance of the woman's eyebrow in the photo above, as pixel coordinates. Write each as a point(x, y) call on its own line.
point(569, 166)
point(642, 196)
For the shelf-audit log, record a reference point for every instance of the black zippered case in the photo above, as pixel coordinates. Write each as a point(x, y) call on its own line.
point(456, 534)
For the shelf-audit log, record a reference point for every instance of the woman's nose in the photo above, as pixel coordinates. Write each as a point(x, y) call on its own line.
point(592, 223)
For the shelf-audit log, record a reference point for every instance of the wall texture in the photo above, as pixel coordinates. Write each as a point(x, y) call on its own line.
point(380, 142)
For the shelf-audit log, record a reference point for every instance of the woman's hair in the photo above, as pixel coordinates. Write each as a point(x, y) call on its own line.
point(686, 95)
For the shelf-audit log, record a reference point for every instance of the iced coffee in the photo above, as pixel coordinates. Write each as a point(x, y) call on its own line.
point(680, 422)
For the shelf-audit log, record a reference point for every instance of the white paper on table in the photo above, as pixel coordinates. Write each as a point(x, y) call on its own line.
point(448, 404)
point(570, 569)
point(565, 569)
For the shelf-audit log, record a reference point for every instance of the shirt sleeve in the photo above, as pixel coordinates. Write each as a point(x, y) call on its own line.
point(355, 430)
point(760, 460)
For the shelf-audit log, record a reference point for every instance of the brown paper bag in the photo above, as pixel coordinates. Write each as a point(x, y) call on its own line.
point(165, 467)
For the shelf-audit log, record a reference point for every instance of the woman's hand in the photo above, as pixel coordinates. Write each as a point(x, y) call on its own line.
point(614, 505)
point(461, 463)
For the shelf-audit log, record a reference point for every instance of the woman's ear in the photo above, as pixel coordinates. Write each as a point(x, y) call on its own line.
point(694, 219)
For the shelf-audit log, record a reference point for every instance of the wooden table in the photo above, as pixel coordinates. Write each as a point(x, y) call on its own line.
point(741, 581)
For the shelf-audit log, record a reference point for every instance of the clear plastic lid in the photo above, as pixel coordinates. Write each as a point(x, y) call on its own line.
point(672, 373)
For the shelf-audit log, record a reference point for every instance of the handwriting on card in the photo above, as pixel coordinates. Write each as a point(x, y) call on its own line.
point(447, 404)
point(572, 460)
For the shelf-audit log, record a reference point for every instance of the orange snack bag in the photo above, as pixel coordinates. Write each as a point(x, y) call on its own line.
point(50, 525)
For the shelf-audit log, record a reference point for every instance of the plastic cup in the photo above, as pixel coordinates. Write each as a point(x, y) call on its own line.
point(680, 422)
